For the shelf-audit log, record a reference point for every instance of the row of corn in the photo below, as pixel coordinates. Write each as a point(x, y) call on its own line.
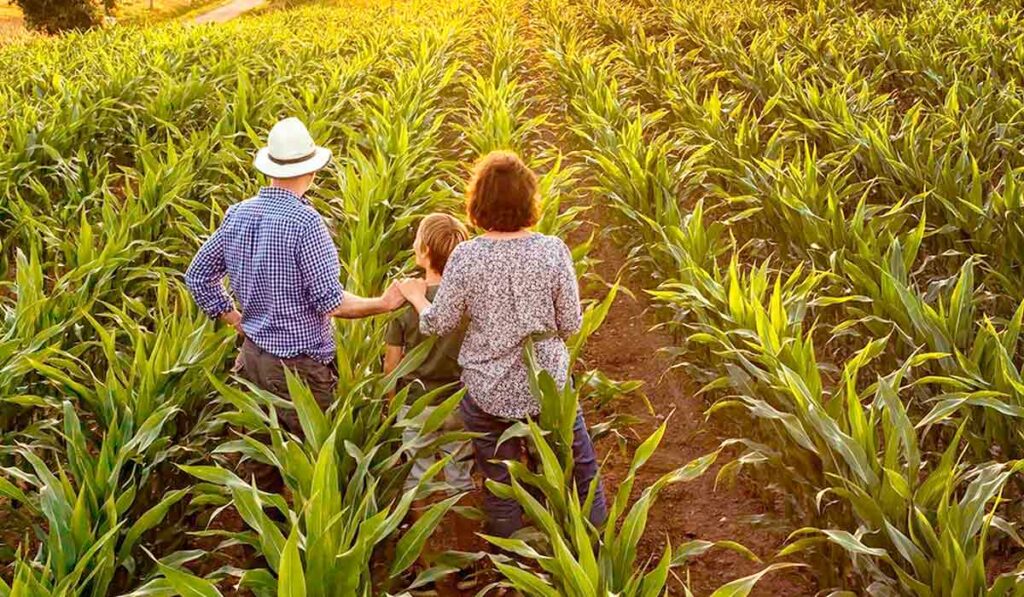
point(121, 434)
point(826, 197)
point(125, 450)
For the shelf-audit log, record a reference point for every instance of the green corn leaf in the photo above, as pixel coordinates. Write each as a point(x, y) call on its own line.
point(260, 581)
point(432, 575)
point(249, 506)
point(654, 582)
point(697, 548)
point(412, 542)
point(442, 412)
point(550, 468)
point(186, 584)
point(311, 417)
point(741, 587)
point(150, 519)
point(11, 491)
point(291, 578)
point(526, 581)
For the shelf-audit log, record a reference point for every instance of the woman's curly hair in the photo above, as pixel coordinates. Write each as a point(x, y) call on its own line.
point(502, 193)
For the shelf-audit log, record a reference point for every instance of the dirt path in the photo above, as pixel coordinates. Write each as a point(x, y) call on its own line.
point(627, 347)
point(228, 11)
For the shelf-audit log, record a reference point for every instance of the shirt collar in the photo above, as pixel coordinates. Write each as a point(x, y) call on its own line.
point(279, 194)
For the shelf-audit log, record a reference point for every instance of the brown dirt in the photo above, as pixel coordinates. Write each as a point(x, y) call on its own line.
point(13, 531)
point(628, 346)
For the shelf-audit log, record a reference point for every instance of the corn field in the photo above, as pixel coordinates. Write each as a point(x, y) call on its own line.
point(823, 200)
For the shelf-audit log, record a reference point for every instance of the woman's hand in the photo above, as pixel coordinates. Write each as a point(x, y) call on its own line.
point(415, 291)
point(413, 288)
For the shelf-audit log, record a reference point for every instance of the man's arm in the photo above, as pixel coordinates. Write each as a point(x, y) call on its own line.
point(204, 279)
point(321, 272)
point(355, 307)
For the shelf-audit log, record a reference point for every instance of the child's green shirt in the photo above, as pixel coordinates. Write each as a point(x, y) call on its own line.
point(441, 366)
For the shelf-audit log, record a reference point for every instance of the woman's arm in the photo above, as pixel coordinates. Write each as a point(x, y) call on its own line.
point(568, 311)
point(448, 309)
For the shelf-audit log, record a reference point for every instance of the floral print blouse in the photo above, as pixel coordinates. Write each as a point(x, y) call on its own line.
point(509, 290)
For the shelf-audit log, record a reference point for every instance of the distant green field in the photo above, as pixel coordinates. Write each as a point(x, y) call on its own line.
point(135, 11)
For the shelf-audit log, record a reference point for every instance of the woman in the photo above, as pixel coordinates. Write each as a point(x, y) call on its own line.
point(512, 284)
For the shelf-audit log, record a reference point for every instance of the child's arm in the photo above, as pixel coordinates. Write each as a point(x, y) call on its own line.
point(392, 357)
point(394, 346)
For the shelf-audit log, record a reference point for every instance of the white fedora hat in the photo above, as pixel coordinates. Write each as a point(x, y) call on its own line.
point(290, 151)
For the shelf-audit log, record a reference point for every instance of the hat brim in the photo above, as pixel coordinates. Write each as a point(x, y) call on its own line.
point(321, 157)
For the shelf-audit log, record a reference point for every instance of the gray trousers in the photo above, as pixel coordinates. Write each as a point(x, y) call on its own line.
point(267, 371)
point(459, 470)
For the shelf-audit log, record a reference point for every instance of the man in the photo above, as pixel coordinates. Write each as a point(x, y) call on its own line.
point(283, 269)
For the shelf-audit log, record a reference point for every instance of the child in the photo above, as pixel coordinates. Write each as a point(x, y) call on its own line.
point(436, 238)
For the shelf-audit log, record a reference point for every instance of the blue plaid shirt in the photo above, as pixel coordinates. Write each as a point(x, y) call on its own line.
point(283, 269)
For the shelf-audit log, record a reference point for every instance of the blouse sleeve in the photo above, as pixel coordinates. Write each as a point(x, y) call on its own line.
point(568, 311)
point(448, 308)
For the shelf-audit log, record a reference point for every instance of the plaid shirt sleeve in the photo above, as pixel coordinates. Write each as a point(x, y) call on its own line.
point(205, 276)
point(321, 270)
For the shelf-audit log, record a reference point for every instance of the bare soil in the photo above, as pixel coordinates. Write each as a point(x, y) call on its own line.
point(629, 346)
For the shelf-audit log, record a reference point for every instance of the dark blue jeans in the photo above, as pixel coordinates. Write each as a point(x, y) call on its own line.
point(505, 517)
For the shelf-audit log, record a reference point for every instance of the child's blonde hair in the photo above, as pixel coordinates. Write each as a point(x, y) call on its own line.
point(439, 235)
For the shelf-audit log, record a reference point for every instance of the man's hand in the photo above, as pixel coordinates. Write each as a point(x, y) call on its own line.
point(234, 319)
point(413, 288)
point(393, 298)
